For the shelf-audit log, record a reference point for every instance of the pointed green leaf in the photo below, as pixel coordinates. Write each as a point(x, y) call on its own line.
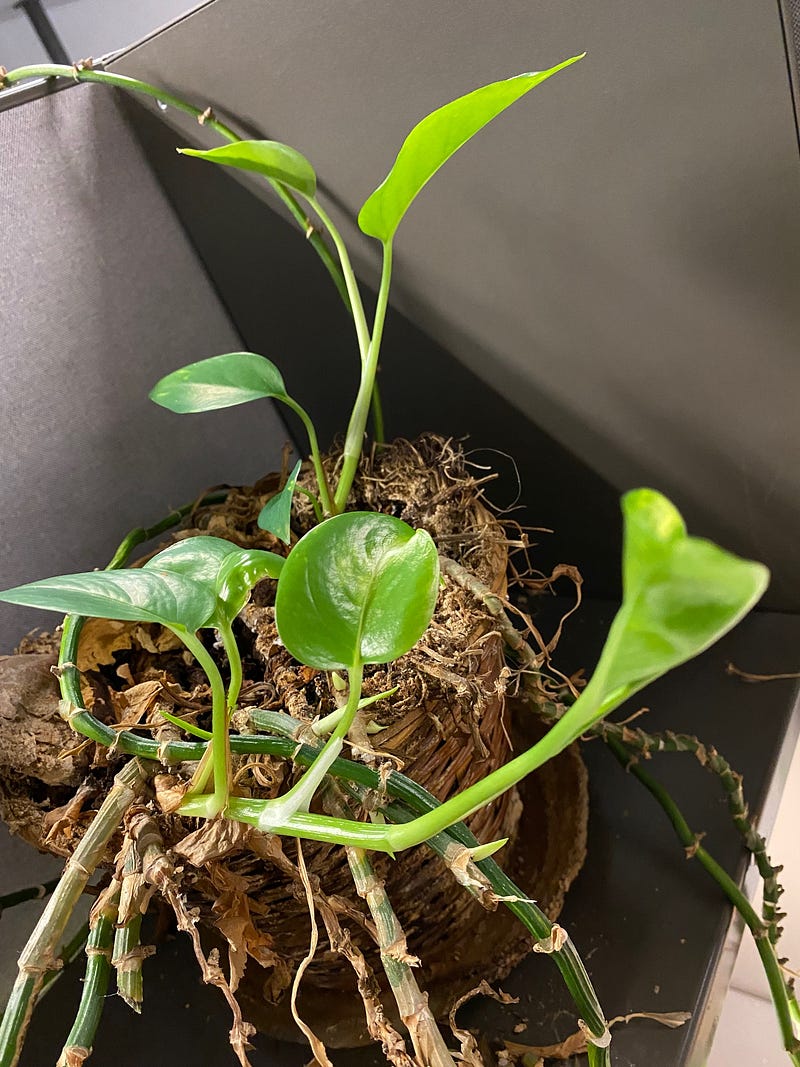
point(131, 596)
point(360, 587)
point(219, 382)
point(434, 140)
point(275, 516)
point(680, 595)
point(270, 159)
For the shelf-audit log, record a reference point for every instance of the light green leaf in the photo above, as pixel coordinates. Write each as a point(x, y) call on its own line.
point(270, 159)
point(131, 596)
point(197, 557)
point(240, 573)
point(275, 516)
point(230, 571)
point(680, 595)
point(434, 140)
point(360, 587)
point(219, 382)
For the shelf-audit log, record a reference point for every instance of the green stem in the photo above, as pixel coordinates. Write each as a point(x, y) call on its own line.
point(126, 958)
point(299, 797)
point(378, 428)
point(412, 1003)
point(354, 439)
point(398, 786)
point(353, 292)
point(209, 806)
point(231, 647)
point(78, 1045)
point(418, 800)
point(68, 954)
point(37, 956)
point(134, 85)
point(128, 963)
point(316, 458)
point(314, 501)
point(638, 742)
point(780, 994)
point(31, 892)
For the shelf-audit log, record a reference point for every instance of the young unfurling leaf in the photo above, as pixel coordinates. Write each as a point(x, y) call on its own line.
point(276, 514)
point(271, 159)
point(434, 140)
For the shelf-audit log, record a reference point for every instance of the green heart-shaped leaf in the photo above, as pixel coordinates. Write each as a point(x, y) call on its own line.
point(220, 382)
point(275, 516)
point(434, 140)
point(130, 596)
point(359, 588)
point(680, 595)
point(271, 159)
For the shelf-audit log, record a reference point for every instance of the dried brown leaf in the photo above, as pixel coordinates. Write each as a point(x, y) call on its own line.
point(575, 1044)
point(100, 639)
point(469, 1046)
point(213, 840)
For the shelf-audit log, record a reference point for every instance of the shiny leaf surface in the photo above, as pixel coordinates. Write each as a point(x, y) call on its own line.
point(271, 159)
point(434, 140)
point(360, 587)
point(219, 382)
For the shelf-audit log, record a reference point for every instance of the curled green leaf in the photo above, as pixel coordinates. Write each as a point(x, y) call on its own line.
point(271, 159)
point(275, 516)
point(230, 571)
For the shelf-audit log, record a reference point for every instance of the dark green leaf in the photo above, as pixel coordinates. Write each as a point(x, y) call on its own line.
point(680, 595)
point(434, 140)
point(131, 596)
point(270, 159)
point(360, 587)
point(275, 516)
point(219, 382)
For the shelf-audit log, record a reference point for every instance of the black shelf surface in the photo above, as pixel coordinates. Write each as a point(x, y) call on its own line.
point(650, 923)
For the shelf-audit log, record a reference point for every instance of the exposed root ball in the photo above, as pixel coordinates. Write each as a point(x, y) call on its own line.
point(446, 726)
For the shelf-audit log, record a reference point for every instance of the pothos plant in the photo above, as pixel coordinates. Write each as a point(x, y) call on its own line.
point(360, 588)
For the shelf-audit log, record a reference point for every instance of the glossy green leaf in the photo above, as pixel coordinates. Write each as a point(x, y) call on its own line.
point(270, 159)
point(228, 570)
point(434, 140)
point(358, 588)
point(680, 595)
point(197, 557)
point(276, 515)
point(219, 382)
point(131, 596)
point(240, 573)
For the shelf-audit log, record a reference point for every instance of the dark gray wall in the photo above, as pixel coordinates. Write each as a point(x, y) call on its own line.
point(618, 255)
point(100, 294)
